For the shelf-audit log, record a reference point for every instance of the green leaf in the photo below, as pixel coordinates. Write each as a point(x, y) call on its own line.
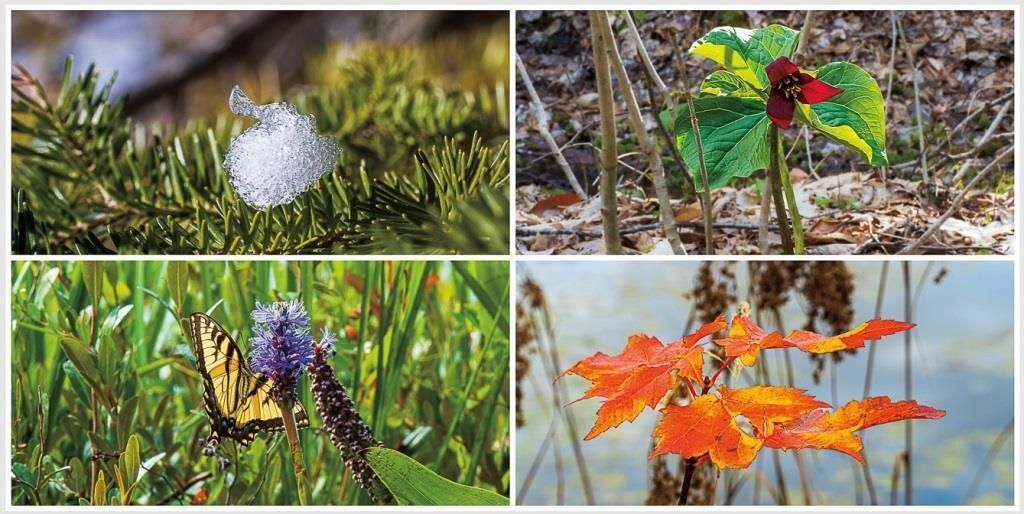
point(21, 472)
point(177, 281)
point(99, 491)
point(83, 358)
point(129, 463)
point(855, 117)
point(747, 52)
point(725, 83)
point(733, 132)
point(92, 276)
point(411, 483)
point(113, 319)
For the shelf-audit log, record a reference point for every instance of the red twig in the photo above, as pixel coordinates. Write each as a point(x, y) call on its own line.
point(722, 368)
point(693, 392)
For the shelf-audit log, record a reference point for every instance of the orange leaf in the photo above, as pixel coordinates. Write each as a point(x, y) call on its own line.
point(764, 405)
point(705, 426)
point(747, 339)
point(641, 375)
point(554, 202)
point(835, 430)
point(875, 329)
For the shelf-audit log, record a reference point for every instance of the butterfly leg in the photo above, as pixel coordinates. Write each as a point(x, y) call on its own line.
point(211, 444)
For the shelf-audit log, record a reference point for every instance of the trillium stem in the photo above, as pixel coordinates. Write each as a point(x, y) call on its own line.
point(292, 432)
point(774, 186)
point(779, 163)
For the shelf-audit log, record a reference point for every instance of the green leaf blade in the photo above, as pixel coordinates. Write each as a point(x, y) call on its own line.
point(855, 117)
point(747, 52)
point(733, 135)
point(412, 483)
point(726, 83)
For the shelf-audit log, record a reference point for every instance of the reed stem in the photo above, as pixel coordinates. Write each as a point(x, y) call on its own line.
point(292, 432)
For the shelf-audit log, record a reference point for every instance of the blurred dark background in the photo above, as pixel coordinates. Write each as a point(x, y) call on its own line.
point(173, 65)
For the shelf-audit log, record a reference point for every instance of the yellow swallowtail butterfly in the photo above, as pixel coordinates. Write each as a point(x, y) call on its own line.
point(237, 400)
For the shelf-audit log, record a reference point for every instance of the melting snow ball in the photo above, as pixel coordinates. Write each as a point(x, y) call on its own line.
point(280, 156)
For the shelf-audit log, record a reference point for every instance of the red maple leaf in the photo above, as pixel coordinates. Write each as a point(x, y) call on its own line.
point(835, 430)
point(746, 340)
point(708, 425)
point(641, 375)
point(811, 342)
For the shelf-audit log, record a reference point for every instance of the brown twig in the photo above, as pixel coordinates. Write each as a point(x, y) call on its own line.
point(684, 491)
point(706, 192)
point(180, 491)
point(551, 362)
point(985, 138)
point(955, 205)
point(645, 58)
point(985, 105)
point(543, 123)
point(539, 231)
point(917, 100)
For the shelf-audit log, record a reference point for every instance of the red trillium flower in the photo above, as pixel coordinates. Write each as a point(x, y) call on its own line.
point(789, 84)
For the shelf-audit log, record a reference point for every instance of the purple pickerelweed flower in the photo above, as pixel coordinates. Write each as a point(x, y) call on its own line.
point(282, 346)
point(349, 433)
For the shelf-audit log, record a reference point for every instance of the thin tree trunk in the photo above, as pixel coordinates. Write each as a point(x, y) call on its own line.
point(647, 144)
point(609, 138)
point(805, 33)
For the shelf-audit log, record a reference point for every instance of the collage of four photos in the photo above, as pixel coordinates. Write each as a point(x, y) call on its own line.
point(505, 258)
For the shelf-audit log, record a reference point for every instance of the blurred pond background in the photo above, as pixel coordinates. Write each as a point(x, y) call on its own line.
point(963, 362)
point(173, 64)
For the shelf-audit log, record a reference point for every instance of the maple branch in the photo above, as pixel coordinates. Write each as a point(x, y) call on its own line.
point(689, 385)
point(684, 491)
point(722, 368)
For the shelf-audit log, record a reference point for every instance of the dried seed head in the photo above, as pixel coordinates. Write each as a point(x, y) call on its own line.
point(349, 433)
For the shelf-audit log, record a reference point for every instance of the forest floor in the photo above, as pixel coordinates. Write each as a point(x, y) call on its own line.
point(964, 63)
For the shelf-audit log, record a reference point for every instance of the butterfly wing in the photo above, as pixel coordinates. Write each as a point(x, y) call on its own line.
point(260, 412)
point(237, 401)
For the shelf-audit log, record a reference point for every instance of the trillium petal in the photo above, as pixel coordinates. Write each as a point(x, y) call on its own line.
point(780, 109)
point(780, 68)
point(815, 91)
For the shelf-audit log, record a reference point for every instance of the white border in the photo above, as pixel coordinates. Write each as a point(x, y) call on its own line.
point(512, 6)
